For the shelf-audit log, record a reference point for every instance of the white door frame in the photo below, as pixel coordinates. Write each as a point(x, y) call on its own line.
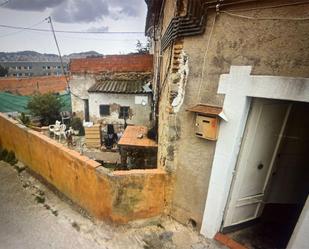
point(239, 87)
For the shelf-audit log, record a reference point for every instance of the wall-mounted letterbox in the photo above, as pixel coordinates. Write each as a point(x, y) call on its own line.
point(206, 121)
point(206, 127)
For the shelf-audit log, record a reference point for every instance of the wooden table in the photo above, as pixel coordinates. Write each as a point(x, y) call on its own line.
point(131, 135)
point(143, 148)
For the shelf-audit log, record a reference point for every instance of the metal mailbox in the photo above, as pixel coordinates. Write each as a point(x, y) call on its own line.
point(206, 121)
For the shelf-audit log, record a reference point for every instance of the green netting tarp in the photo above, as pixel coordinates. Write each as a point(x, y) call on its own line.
point(15, 103)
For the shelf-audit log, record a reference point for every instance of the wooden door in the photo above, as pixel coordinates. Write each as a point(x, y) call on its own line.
point(262, 136)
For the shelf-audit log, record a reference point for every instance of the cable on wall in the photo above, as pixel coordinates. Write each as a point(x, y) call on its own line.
point(271, 6)
point(205, 56)
point(266, 18)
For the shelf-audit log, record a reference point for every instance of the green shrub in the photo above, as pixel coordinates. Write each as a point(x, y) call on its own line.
point(47, 106)
point(10, 158)
point(24, 119)
point(4, 154)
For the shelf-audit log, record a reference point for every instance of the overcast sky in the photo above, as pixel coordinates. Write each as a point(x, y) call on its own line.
point(77, 15)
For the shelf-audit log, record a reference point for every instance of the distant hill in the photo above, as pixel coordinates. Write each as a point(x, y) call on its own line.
point(35, 56)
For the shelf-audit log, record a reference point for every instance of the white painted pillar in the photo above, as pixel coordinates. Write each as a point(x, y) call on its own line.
point(236, 107)
point(239, 86)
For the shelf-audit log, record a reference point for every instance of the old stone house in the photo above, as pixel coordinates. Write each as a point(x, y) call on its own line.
point(112, 89)
point(238, 71)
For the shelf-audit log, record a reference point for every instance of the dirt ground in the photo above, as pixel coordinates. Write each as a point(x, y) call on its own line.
point(33, 216)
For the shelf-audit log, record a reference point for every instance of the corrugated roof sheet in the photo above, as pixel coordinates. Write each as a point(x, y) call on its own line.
point(118, 86)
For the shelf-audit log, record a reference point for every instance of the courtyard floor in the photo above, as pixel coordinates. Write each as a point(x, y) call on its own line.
point(33, 216)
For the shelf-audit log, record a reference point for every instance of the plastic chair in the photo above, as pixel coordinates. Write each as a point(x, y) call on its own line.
point(54, 128)
point(61, 132)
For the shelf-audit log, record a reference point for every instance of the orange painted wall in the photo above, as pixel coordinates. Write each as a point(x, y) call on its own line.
point(119, 196)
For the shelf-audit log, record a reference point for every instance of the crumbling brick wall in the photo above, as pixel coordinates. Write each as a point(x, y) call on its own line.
point(31, 85)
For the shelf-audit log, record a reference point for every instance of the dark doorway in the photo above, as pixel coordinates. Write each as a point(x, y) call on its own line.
point(288, 188)
point(86, 109)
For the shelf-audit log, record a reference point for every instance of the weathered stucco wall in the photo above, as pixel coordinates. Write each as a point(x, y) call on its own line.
point(277, 48)
point(139, 114)
point(119, 196)
point(79, 85)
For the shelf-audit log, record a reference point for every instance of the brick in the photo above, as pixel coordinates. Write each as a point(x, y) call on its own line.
point(115, 63)
point(28, 86)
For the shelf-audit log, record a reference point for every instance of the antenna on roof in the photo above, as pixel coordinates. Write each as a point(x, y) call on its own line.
point(61, 61)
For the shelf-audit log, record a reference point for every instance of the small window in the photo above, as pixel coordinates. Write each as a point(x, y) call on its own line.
point(104, 110)
point(124, 112)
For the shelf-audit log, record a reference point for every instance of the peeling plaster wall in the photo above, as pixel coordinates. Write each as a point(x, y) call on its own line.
point(79, 85)
point(279, 48)
point(139, 114)
point(179, 82)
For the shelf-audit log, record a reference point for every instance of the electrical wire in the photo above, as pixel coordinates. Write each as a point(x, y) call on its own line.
point(20, 31)
point(93, 37)
point(70, 31)
point(97, 39)
point(266, 18)
point(205, 56)
point(271, 6)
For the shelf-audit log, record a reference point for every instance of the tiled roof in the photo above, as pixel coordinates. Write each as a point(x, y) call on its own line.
point(113, 63)
point(118, 86)
point(30, 85)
